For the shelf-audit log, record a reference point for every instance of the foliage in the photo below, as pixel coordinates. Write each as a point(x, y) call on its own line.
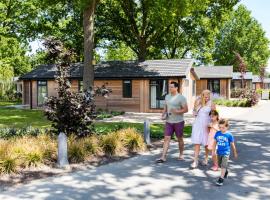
point(236, 92)
point(133, 140)
point(91, 145)
point(76, 151)
point(178, 26)
point(8, 165)
point(17, 19)
point(13, 58)
point(259, 91)
point(69, 112)
point(8, 103)
point(119, 51)
point(232, 103)
point(27, 151)
point(242, 34)
point(250, 97)
point(111, 144)
point(17, 28)
point(7, 133)
point(31, 151)
point(102, 114)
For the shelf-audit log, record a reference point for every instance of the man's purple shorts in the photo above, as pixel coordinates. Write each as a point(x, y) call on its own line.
point(177, 128)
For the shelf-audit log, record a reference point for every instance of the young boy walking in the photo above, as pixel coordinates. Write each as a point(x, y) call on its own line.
point(223, 142)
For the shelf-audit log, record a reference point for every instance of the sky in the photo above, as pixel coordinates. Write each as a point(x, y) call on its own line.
point(260, 10)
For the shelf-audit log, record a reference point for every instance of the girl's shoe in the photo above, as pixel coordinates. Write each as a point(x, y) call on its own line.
point(214, 168)
point(226, 174)
point(220, 182)
point(194, 165)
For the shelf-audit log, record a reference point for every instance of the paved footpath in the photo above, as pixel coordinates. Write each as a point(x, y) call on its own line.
point(141, 178)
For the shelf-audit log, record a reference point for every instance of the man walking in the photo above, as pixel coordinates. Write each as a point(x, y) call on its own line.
point(173, 113)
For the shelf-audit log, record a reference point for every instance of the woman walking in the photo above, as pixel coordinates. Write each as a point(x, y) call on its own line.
point(202, 107)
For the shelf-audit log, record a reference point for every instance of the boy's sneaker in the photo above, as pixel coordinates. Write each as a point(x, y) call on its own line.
point(220, 182)
point(226, 174)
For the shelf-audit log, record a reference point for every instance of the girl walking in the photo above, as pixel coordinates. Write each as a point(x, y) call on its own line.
point(213, 128)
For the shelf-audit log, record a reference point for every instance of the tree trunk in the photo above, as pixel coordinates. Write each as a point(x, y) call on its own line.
point(142, 50)
point(88, 28)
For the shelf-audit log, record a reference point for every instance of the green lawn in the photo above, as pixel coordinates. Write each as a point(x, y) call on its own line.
point(18, 118)
point(157, 130)
point(21, 118)
point(7, 103)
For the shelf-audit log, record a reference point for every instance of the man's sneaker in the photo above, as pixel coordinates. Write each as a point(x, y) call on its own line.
point(220, 182)
point(226, 174)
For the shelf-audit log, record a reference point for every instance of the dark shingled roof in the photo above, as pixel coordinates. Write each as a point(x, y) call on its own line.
point(214, 72)
point(120, 69)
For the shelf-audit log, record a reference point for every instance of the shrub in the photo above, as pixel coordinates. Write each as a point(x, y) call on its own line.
point(133, 140)
point(102, 114)
point(8, 161)
point(251, 97)
point(76, 152)
point(232, 103)
point(7, 133)
point(91, 145)
point(70, 112)
point(106, 130)
point(8, 165)
point(33, 159)
point(48, 146)
point(111, 144)
point(236, 93)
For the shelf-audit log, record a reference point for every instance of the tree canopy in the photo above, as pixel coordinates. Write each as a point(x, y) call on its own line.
point(244, 35)
point(154, 28)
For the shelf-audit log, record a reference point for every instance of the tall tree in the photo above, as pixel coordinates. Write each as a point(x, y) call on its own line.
point(241, 67)
point(85, 9)
point(13, 56)
point(153, 27)
point(244, 35)
point(137, 23)
point(194, 34)
point(16, 30)
point(17, 18)
point(89, 7)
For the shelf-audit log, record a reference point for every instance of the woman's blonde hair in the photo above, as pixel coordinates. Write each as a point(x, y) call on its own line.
point(204, 92)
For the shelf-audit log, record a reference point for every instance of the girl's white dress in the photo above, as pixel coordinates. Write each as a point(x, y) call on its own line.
point(200, 126)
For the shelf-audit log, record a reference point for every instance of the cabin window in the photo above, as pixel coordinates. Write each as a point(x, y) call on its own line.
point(80, 88)
point(214, 86)
point(254, 86)
point(158, 91)
point(266, 85)
point(42, 92)
point(127, 89)
point(193, 88)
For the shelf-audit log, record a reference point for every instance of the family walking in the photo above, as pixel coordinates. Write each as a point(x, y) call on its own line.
point(207, 130)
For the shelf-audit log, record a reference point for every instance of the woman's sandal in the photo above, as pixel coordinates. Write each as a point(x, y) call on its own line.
point(194, 165)
point(160, 160)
